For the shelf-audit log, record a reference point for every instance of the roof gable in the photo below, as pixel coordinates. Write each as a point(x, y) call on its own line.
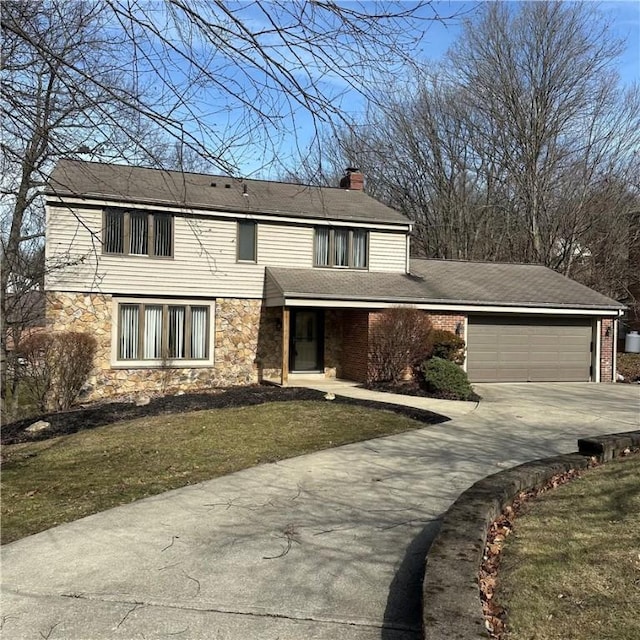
point(124, 184)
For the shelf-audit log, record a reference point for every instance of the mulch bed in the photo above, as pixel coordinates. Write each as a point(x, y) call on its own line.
point(98, 415)
point(413, 388)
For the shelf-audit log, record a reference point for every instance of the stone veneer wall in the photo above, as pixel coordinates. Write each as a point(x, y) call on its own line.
point(269, 356)
point(237, 324)
point(87, 313)
point(606, 350)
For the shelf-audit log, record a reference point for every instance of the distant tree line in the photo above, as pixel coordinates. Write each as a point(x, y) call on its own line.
point(522, 145)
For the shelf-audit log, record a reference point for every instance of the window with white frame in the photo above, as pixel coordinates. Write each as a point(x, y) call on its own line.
point(138, 233)
point(163, 331)
point(341, 247)
point(247, 236)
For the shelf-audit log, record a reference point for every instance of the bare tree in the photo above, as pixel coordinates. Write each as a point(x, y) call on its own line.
point(522, 146)
point(543, 82)
point(175, 84)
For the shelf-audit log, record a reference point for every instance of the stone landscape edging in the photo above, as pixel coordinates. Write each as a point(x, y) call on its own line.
point(451, 605)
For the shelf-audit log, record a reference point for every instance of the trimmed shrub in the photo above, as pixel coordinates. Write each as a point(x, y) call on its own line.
point(399, 341)
point(446, 345)
point(36, 354)
point(446, 379)
point(56, 366)
point(629, 366)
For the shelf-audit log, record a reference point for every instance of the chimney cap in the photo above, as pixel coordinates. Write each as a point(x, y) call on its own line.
point(352, 169)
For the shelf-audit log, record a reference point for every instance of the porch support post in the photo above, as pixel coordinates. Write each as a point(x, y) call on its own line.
point(285, 346)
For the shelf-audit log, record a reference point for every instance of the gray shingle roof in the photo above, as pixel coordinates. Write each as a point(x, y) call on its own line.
point(444, 281)
point(194, 190)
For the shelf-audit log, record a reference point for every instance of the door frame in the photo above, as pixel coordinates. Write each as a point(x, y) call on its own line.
point(319, 313)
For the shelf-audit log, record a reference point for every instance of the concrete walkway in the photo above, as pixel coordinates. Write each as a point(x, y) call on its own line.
point(355, 390)
point(328, 545)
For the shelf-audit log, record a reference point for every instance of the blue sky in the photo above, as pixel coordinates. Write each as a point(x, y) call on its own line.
point(223, 115)
point(625, 20)
point(623, 16)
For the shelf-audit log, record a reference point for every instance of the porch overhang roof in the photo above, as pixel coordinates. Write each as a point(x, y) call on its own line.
point(439, 285)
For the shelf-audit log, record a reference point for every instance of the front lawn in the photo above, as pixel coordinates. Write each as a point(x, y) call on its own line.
point(571, 569)
point(60, 479)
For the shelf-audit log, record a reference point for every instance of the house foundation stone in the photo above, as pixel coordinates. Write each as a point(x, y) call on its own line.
point(236, 338)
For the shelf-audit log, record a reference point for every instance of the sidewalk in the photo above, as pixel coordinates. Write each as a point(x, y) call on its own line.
point(452, 409)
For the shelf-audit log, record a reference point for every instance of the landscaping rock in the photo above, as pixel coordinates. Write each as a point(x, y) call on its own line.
point(40, 425)
point(143, 401)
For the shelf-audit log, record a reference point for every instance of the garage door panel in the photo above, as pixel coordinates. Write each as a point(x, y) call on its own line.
point(528, 349)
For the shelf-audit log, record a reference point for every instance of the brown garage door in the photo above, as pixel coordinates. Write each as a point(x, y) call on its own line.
point(528, 349)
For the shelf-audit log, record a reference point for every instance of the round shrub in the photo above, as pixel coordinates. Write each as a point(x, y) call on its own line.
point(446, 379)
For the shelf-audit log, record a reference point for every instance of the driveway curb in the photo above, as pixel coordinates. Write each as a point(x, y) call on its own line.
point(452, 609)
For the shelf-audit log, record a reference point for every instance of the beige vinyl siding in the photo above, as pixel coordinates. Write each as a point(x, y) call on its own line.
point(285, 245)
point(387, 251)
point(204, 259)
point(204, 262)
point(272, 294)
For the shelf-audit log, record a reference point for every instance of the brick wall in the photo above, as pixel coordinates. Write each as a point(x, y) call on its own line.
point(355, 344)
point(446, 321)
point(606, 350)
point(333, 327)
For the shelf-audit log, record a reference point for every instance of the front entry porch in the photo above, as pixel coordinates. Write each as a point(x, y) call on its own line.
point(313, 343)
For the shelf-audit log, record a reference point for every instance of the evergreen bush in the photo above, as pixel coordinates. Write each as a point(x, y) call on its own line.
point(446, 379)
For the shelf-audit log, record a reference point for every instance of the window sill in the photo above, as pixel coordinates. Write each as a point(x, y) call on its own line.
point(155, 364)
point(136, 256)
point(339, 268)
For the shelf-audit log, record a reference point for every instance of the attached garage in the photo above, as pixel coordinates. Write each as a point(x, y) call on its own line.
point(529, 349)
point(521, 322)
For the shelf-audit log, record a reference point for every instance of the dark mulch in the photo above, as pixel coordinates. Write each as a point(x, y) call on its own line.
point(412, 388)
point(65, 423)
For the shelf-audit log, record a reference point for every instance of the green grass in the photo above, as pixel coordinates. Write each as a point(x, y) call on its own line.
point(571, 570)
point(62, 479)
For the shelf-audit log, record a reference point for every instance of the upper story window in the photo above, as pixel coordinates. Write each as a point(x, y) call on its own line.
point(341, 247)
point(138, 233)
point(247, 241)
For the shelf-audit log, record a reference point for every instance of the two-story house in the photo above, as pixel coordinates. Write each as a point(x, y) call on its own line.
point(190, 281)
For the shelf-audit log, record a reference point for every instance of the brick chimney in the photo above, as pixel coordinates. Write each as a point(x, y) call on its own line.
point(352, 179)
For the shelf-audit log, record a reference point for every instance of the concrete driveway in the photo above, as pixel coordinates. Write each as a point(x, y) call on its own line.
point(328, 545)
